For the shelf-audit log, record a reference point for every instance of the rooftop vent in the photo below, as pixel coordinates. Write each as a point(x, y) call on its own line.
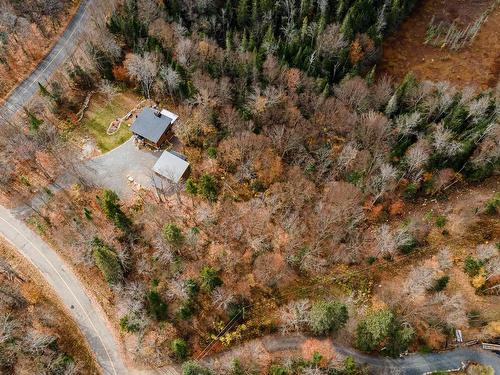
point(157, 113)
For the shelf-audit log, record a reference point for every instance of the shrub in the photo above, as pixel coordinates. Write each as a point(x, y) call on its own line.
point(410, 191)
point(472, 266)
point(408, 245)
point(173, 235)
point(277, 370)
point(439, 284)
point(327, 317)
point(186, 310)
point(371, 259)
point(192, 287)
point(208, 187)
point(179, 348)
point(381, 328)
point(129, 325)
point(440, 221)
point(157, 307)
point(107, 261)
point(493, 204)
point(210, 279)
point(193, 368)
point(191, 187)
point(212, 152)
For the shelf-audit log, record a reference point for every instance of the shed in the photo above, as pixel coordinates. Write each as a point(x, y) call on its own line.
point(171, 166)
point(154, 126)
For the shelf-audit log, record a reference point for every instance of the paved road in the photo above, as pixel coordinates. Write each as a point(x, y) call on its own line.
point(64, 47)
point(106, 347)
point(64, 282)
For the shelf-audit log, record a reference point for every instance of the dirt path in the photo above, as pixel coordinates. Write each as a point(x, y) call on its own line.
point(477, 65)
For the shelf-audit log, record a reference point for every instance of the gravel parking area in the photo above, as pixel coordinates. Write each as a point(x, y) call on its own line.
point(113, 169)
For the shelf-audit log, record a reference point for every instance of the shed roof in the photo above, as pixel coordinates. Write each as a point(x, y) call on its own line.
point(171, 166)
point(150, 126)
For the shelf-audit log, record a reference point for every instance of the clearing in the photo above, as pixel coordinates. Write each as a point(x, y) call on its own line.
point(99, 116)
point(476, 65)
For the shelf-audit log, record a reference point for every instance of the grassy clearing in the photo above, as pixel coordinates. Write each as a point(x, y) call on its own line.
point(101, 113)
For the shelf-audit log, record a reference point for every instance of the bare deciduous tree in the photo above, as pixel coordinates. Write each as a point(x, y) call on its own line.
point(144, 69)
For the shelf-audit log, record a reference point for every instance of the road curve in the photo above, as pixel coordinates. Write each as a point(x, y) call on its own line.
point(69, 289)
point(413, 364)
point(92, 321)
point(64, 47)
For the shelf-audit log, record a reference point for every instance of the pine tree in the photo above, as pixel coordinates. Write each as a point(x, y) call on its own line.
point(110, 204)
point(107, 261)
point(255, 12)
point(242, 13)
point(34, 122)
point(44, 91)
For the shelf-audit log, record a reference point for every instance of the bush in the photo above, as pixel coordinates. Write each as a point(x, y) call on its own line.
point(439, 284)
point(440, 221)
point(179, 348)
point(407, 246)
point(208, 187)
point(191, 187)
point(186, 310)
point(327, 317)
point(277, 370)
point(472, 266)
point(379, 329)
point(410, 192)
point(107, 261)
point(157, 307)
point(129, 325)
point(212, 152)
point(210, 279)
point(193, 368)
point(173, 235)
point(493, 204)
point(192, 287)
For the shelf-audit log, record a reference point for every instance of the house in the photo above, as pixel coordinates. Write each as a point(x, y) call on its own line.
point(172, 166)
point(153, 126)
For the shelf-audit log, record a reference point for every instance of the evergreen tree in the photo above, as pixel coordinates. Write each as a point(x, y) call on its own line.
point(242, 13)
point(110, 204)
point(173, 235)
point(157, 307)
point(107, 261)
point(179, 348)
point(208, 187)
point(210, 279)
point(33, 121)
point(44, 91)
point(327, 317)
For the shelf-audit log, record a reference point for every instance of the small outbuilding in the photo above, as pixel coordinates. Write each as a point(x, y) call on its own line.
point(172, 166)
point(153, 126)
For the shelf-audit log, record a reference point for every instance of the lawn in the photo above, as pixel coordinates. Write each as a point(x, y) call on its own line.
point(101, 113)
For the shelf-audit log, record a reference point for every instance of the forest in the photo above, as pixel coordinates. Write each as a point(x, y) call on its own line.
point(35, 334)
point(27, 30)
point(324, 198)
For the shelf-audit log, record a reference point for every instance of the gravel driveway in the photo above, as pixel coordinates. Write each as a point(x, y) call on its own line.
point(112, 170)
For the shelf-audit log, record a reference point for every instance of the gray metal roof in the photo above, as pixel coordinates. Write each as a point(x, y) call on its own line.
point(150, 126)
point(171, 166)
